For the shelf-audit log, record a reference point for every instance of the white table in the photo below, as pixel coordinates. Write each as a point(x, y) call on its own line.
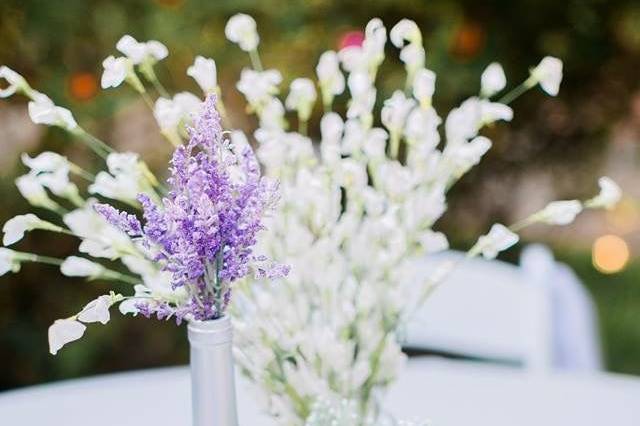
point(450, 393)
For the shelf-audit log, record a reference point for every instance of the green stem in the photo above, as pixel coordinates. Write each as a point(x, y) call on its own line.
point(256, 63)
point(117, 276)
point(518, 91)
point(95, 144)
point(302, 127)
point(157, 85)
point(147, 100)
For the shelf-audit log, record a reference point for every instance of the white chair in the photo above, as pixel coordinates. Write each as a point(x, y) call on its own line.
point(536, 315)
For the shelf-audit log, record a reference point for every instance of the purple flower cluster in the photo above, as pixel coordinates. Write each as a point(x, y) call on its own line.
point(207, 226)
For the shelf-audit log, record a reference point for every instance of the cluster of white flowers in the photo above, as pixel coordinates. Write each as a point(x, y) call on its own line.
point(355, 214)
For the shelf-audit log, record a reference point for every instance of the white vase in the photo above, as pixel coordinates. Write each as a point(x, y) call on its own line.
point(213, 392)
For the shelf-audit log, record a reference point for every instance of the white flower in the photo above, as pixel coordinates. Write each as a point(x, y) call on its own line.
point(395, 111)
point(461, 157)
point(52, 171)
point(45, 162)
point(422, 128)
point(302, 95)
point(368, 57)
point(272, 115)
point(549, 74)
point(42, 110)
point(115, 71)
point(100, 239)
point(241, 29)
point(560, 212)
point(31, 189)
point(433, 242)
point(464, 122)
point(170, 113)
point(97, 310)
point(424, 85)
point(124, 187)
point(493, 80)
point(64, 331)
point(15, 82)
point(140, 52)
point(74, 266)
point(498, 239)
point(330, 77)
point(412, 55)
point(204, 73)
point(610, 194)
point(363, 95)
point(15, 228)
point(405, 29)
point(9, 261)
point(258, 87)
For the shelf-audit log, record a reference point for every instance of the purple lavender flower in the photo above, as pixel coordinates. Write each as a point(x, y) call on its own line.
point(208, 224)
point(126, 222)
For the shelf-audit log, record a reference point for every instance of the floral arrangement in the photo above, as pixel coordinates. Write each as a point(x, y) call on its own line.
point(357, 211)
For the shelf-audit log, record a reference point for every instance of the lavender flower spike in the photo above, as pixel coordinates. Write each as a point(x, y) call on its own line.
point(208, 224)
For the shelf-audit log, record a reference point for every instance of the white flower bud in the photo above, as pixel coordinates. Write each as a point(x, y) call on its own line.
point(115, 71)
point(97, 310)
point(204, 73)
point(424, 85)
point(498, 239)
point(64, 331)
point(560, 212)
point(15, 228)
point(74, 266)
point(493, 80)
point(302, 95)
point(31, 189)
point(549, 74)
point(42, 110)
point(405, 29)
point(330, 77)
point(140, 52)
point(259, 87)
point(241, 29)
point(395, 111)
point(15, 82)
point(610, 194)
point(8, 261)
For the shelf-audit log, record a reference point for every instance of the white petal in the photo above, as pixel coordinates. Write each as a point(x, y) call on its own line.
point(549, 74)
point(8, 261)
point(15, 228)
point(115, 72)
point(561, 212)
point(14, 81)
point(610, 194)
point(203, 71)
point(63, 331)
point(493, 80)
point(424, 85)
point(96, 311)
point(241, 29)
point(405, 29)
point(498, 239)
point(74, 266)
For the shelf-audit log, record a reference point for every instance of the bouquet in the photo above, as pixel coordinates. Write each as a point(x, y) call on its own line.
point(358, 206)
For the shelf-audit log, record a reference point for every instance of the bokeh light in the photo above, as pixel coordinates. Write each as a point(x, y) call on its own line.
point(83, 86)
point(610, 254)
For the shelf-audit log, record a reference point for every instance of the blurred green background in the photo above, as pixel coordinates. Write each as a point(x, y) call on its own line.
point(555, 147)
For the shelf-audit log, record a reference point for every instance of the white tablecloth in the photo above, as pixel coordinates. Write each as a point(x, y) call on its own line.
point(449, 393)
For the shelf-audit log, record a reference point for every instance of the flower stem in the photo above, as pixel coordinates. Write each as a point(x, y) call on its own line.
point(95, 144)
point(256, 63)
point(518, 91)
